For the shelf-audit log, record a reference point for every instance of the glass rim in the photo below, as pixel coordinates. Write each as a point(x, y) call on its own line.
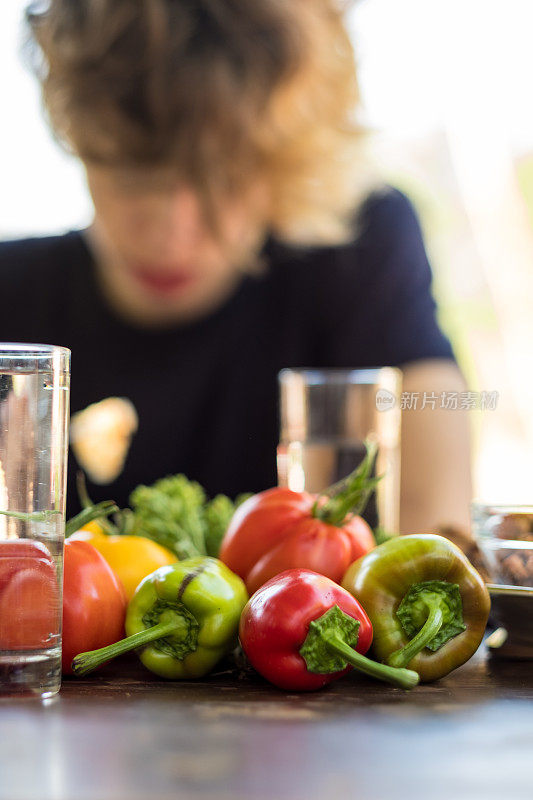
point(30, 350)
point(496, 508)
point(510, 589)
point(318, 375)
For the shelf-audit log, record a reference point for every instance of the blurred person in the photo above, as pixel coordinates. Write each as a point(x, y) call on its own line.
point(236, 232)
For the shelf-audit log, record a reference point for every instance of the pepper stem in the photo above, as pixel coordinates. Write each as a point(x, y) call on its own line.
point(350, 495)
point(72, 525)
point(99, 512)
point(84, 663)
point(402, 678)
point(330, 647)
point(433, 624)
point(31, 516)
point(432, 613)
point(86, 503)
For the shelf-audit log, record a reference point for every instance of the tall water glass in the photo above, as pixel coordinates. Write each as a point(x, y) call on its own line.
point(326, 415)
point(34, 404)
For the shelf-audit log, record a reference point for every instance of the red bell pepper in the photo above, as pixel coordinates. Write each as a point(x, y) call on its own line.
point(301, 631)
point(280, 529)
point(29, 596)
point(94, 602)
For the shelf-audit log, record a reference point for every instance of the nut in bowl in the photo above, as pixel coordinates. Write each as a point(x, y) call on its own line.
point(504, 534)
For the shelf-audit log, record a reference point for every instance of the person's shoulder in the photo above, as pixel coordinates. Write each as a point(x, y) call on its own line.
point(382, 215)
point(36, 249)
point(386, 200)
point(384, 229)
point(38, 278)
point(386, 213)
point(33, 263)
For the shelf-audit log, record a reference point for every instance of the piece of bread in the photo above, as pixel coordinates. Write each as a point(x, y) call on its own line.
point(100, 437)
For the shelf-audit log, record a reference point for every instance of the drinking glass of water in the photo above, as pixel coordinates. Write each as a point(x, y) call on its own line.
point(34, 404)
point(325, 417)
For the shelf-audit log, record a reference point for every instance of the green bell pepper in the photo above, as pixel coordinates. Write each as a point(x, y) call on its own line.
point(427, 604)
point(182, 619)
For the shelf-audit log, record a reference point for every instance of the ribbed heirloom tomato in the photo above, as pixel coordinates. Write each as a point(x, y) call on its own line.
point(280, 529)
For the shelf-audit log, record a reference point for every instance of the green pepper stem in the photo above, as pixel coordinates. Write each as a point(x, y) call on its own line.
point(403, 678)
point(350, 495)
point(433, 624)
point(98, 511)
point(84, 663)
point(330, 646)
point(87, 503)
point(86, 515)
point(31, 516)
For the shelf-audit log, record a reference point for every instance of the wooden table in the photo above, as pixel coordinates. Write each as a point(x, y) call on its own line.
point(122, 734)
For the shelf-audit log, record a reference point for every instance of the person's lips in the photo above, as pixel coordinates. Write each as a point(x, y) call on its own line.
point(162, 282)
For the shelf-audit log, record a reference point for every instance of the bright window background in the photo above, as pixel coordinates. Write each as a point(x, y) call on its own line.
point(446, 86)
point(41, 188)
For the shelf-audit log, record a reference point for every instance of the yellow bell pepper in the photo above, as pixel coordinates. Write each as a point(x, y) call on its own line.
point(131, 557)
point(93, 527)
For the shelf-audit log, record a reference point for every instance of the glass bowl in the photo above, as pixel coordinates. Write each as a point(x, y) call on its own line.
point(504, 534)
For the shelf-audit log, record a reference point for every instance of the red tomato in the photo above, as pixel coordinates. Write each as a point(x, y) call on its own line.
point(259, 524)
point(29, 596)
point(94, 602)
point(276, 530)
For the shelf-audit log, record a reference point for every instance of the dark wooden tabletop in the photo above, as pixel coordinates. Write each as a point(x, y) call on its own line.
point(124, 734)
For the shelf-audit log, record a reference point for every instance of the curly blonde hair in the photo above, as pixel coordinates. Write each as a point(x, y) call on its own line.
point(222, 91)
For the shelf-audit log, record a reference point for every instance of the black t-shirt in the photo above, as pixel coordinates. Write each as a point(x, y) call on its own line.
point(206, 392)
